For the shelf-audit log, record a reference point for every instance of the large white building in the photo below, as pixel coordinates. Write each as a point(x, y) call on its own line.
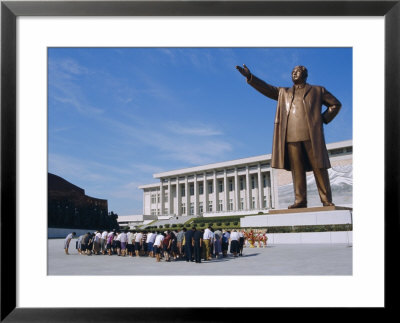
point(247, 185)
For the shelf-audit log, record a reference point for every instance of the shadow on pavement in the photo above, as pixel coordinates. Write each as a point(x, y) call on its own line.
point(250, 255)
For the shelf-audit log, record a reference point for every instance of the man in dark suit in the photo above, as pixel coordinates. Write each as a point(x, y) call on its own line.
point(299, 143)
point(189, 244)
point(197, 245)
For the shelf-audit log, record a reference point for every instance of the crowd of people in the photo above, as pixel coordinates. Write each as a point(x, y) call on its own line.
point(183, 244)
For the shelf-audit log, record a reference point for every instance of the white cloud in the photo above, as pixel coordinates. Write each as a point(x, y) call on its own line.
point(197, 153)
point(64, 89)
point(128, 190)
point(179, 143)
point(72, 67)
point(74, 169)
point(148, 169)
point(193, 129)
point(72, 98)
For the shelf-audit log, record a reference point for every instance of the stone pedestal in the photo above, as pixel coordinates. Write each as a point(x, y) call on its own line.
point(297, 217)
point(310, 209)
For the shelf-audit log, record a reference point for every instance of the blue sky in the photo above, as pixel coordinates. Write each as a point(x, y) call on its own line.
point(116, 116)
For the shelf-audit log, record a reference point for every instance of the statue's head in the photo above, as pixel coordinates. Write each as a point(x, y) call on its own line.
point(299, 74)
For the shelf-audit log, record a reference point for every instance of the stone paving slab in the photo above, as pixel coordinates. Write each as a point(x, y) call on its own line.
point(279, 259)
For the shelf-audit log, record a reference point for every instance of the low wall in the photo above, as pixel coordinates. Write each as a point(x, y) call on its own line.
point(345, 237)
point(53, 233)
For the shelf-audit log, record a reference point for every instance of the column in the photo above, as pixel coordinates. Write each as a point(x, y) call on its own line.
point(178, 197)
point(187, 195)
point(248, 189)
point(205, 193)
point(144, 201)
point(237, 191)
point(162, 206)
point(268, 189)
point(215, 203)
point(170, 199)
point(260, 188)
point(196, 197)
point(274, 190)
point(226, 192)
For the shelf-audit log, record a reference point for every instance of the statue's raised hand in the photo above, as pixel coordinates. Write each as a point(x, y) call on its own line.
point(244, 71)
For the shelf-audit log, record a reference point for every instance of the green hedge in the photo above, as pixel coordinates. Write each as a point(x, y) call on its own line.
point(308, 228)
point(219, 218)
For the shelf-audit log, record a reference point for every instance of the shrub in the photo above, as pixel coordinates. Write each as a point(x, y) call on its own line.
point(235, 223)
point(166, 226)
point(160, 226)
point(218, 218)
point(260, 213)
point(180, 225)
point(173, 225)
point(227, 223)
point(219, 224)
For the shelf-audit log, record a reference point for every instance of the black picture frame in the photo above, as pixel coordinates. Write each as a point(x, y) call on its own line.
point(10, 10)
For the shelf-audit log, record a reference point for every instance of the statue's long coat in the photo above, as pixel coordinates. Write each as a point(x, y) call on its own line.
point(314, 98)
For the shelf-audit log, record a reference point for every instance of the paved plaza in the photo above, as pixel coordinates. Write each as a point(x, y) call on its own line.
point(278, 259)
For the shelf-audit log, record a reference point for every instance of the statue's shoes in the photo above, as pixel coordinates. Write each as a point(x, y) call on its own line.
point(298, 205)
point(328, 204)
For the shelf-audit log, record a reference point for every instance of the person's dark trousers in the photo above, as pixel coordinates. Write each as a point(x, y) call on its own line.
point(188, 252)
point(197, 252)
point(183, 256)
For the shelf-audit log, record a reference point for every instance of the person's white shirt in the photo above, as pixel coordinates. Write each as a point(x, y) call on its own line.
point(226, 234)
point(159, 240)
point(241, 234)
point(98, 236)
point(118, 237)
point(234, 236)
point(68, 237)
point(104, 235)
point(110, 234)
point(149, 235)
point(138, 237)
point(131, 238)
point(153, 237)
point(123, 237)
point(207, 234)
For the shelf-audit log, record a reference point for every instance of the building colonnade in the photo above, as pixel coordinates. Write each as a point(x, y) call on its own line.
point(242, 188)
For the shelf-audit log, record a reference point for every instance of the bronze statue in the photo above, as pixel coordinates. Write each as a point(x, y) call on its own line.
point(299, 143)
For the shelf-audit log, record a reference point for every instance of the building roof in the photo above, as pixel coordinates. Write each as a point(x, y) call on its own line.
point(204, 168)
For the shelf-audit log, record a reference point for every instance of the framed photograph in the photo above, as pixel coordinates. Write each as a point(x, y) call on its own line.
point(35, 36)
